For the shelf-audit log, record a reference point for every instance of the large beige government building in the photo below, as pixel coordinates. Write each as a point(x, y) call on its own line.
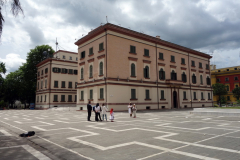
point(117, 66)
point(56, 81)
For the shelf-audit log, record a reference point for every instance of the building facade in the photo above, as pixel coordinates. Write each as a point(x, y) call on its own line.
point(229, 77)
point(56, 81)
point(117, 66)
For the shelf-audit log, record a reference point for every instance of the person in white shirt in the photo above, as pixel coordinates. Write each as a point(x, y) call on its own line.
point(130, 109)
point(134, 108)
point(104, 111)
point(98, 110)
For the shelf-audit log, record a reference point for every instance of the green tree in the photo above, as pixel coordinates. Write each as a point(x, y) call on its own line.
point(12, 85)
point(236, 92)
point(15, 9)
point(219, 90)
point(29, 71)
point(2, 71)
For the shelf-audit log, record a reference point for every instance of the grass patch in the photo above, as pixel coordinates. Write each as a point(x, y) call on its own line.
point(226, 107)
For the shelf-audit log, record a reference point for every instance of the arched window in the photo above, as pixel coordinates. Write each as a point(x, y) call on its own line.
point(90, 71)
point(184, 77)
point(101, 68)
point(194, 80)
point(173, 75)
point(161, 74)
point(81, 73)
point(133, 70)
point(201, 79)
point(146, 72)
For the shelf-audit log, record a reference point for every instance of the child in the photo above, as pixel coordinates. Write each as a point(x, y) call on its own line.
point(111, 115)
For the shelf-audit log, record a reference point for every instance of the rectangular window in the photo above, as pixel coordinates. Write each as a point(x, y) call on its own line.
point(160, 55)
point(182, 60)
point(132, 49)
point(70, 71)
point(101, 47)
point(62, 98)
point(38, 74)
point(76, 58)
point(82, 93)
point(202, 97)
point(75, 98)
point(70, 58)
point(82, 54)
point(42, 72)
point(172, 59)
point(193, 63)
point(41, 84)
point(64, 57)
point(91, 51)
point(226, 79)
point(38, 86)
point(209, 96)
point(75, 84)
point(218, 79)
point(235, 78)
point(194, 95)
point(146, 52)
point(63, 70)
point(228, 98)
point(147, 94)
point(37, 98)
point(45, 83)
point(91, 94)
point(55, 98)
point(55, 84)
point(75, 71)
point(236, 86)
point(207, 66)
point(184, 95)
point(200, 65)
point(162, 94)
point(227, 69)
point(133, 93)
point(63, 84)
point(101, 93)
point(69, 98)
point(69, 84)
point(46, 70)
point(45, 98)
point(41, 98)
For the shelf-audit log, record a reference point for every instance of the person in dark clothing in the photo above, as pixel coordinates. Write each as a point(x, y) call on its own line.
point(89, 108)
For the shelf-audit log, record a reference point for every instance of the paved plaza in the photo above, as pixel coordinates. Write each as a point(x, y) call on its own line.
point(162, 135)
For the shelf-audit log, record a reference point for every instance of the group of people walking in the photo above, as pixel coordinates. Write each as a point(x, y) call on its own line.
point(102, 110)
point(99, 110)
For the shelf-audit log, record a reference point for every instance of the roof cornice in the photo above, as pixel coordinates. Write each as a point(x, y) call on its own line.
point(125, 31)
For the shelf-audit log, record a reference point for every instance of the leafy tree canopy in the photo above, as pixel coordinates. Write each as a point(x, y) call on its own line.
point(219, 90)
point(236, 92)
point(15, 9)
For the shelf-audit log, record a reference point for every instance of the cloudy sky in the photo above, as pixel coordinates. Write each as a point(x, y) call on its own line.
point(212, 27)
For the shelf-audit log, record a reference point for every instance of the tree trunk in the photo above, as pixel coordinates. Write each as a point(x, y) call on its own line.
point(220, 101)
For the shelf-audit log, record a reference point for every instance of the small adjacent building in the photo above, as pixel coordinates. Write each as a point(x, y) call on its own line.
point(117, 65)
point(56, 81)
point(228, 76)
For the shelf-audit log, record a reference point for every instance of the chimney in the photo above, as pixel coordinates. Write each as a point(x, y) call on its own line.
point(158, 37)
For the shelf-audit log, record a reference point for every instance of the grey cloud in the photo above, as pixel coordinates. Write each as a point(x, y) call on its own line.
point(35, 33)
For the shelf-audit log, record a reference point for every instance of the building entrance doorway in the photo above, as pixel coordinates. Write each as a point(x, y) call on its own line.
point(175, 99)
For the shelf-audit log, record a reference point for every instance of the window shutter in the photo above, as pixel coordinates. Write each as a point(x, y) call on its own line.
point(160, 74)
point(144, 73)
